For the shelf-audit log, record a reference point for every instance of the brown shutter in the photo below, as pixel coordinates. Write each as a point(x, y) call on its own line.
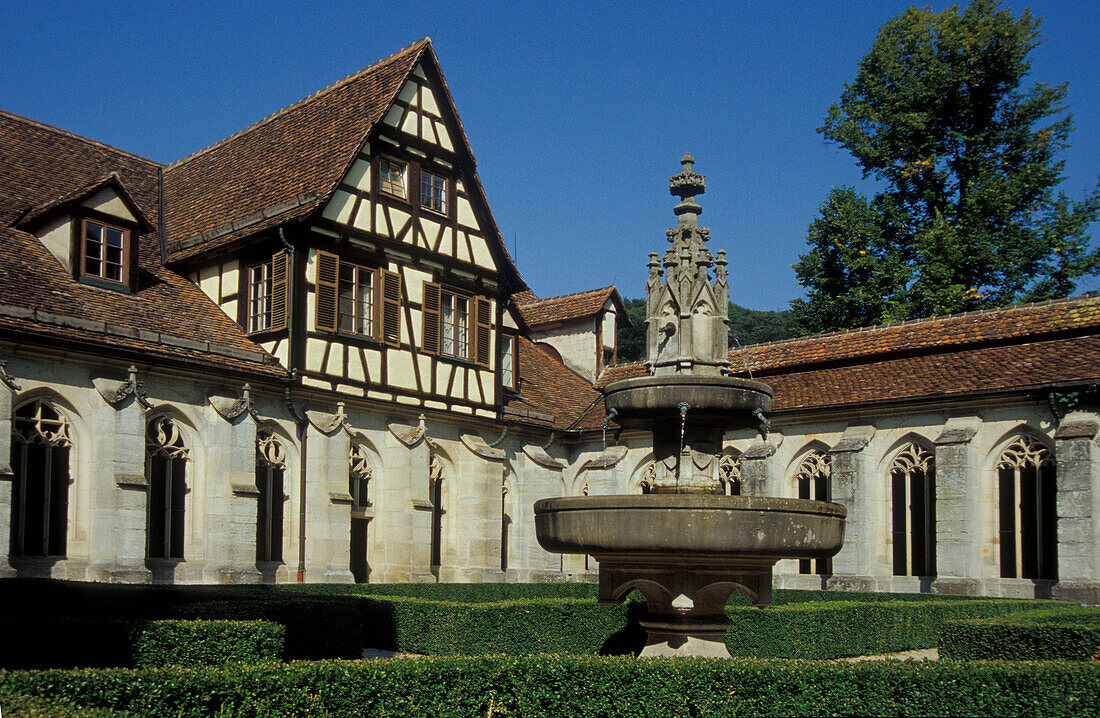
point(391, 307)
point(328, 278)
point(483, 323)
point(432, 297)
point(278, 290)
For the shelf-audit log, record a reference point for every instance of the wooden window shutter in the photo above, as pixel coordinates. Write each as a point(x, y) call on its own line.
point(279, 271)
point(483, 323)
point(391, 307)
point(432, 299)
point(328, 278)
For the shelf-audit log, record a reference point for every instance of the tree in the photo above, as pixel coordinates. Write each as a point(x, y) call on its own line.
point(967, 159)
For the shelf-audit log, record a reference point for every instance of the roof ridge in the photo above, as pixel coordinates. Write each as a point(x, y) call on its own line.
point(424, 41)
point(931, 318)
point(573, 294)
point(75, 136)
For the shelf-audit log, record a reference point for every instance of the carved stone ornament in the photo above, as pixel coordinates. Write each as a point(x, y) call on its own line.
point(229, 408)
point(481, 448)
point(408, 435)
point(114, 392)
point(959, 430)
point(327, 423)
point(606, 458)
point(6, 378)
point(854, 438)
point(539, 455)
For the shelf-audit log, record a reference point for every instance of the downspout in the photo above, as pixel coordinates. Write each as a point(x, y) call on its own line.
point(299, 418)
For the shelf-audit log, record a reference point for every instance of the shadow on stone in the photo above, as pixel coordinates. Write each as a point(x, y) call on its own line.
point(630, 640)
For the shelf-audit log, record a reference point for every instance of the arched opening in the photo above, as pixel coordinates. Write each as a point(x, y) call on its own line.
point(166, 475)
point(435, 496)
point(270, 470)
point(729, 474)
point(1026, 510)
point(360, 473)
point(813, 477)
point(913, 512)
point(40, 491)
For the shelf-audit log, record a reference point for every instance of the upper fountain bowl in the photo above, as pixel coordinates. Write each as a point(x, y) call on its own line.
point(715, 401)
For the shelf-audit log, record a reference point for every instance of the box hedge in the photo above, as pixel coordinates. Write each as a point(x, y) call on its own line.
point(579, 687)
point(1041, 634)
point(208, 643)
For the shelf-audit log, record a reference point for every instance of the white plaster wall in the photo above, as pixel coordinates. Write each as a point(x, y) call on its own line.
point(576, 343)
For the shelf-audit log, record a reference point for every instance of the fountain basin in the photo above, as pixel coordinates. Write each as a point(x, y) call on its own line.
point(706, 526)
point(715, 401)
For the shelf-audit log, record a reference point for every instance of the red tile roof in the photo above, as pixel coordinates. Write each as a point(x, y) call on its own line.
point(42, 167)
point(1018, 348)
point(550, 394)
point(290, 161)
point(541, 312)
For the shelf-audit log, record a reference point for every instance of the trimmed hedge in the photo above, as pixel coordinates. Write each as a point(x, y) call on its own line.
point(578, 687)
point(838, 629)
point(42, 707)
point(1041, 634)
point(208, 643)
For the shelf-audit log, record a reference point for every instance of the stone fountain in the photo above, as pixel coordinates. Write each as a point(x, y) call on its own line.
point(684, 545)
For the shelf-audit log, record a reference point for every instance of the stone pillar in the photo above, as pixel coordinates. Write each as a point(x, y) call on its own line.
point(1078, 476)
point(854, 566)
point(230, 496)
point(958, 523)
point(328, 519)
point(474, 513)
point(539, 476)
point(7, 392)
point(402, 537)
point(756, 466)
point(117, 543)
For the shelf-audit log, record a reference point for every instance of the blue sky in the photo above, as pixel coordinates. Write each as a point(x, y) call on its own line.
point(577, 112)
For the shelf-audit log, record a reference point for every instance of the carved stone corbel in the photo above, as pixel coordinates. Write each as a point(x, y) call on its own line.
point(6, 378)
point(606, 458)
point(854, 438)
point(229, 408)
point(539, 456)
point(114, 392)
point(408, 435)
point(327, 423)
point(481, 448)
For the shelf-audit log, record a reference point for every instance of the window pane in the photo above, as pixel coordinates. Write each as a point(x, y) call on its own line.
point(114, 238)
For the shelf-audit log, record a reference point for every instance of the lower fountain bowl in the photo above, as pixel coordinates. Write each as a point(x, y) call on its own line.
point(697, 527)
point(713, 401)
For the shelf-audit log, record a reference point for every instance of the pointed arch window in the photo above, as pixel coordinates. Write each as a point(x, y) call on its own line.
point(1026, 511)
point(435, 496)
point(270, 475)
point(166, 474)
point(813, 478)
point(40, 490)
point(360, 473)
point(729, 474)
point(913, 512)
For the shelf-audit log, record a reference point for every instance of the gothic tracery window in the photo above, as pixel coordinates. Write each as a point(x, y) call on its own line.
point(729, 474)
point(360, 474)
point(40, 490)
point(1027, 517)
point(913, 512)
point(813, 478)
point(270, 475)
point(649, 477)
point(435, 495)
point(166, 474)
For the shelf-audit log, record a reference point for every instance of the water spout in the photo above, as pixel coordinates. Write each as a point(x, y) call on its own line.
point(763, 424)
point(683, 406)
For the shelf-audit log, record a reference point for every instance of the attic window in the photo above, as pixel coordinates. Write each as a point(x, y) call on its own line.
point(391, 177)
point(433, 192)
point(104, 252)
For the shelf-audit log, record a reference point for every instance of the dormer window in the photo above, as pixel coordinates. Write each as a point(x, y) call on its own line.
point(391, 177)
point(433, 192)
point(105, 251)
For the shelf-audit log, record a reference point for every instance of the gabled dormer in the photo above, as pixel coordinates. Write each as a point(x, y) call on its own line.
point(93, 233)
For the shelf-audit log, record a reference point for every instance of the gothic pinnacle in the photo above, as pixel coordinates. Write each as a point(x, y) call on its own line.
point(687, 185)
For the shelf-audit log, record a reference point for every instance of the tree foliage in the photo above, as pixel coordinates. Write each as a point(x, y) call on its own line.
point(747, 326)
point(967, 160)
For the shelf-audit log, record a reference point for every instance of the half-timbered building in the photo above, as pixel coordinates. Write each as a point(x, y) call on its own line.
point(304, 353)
